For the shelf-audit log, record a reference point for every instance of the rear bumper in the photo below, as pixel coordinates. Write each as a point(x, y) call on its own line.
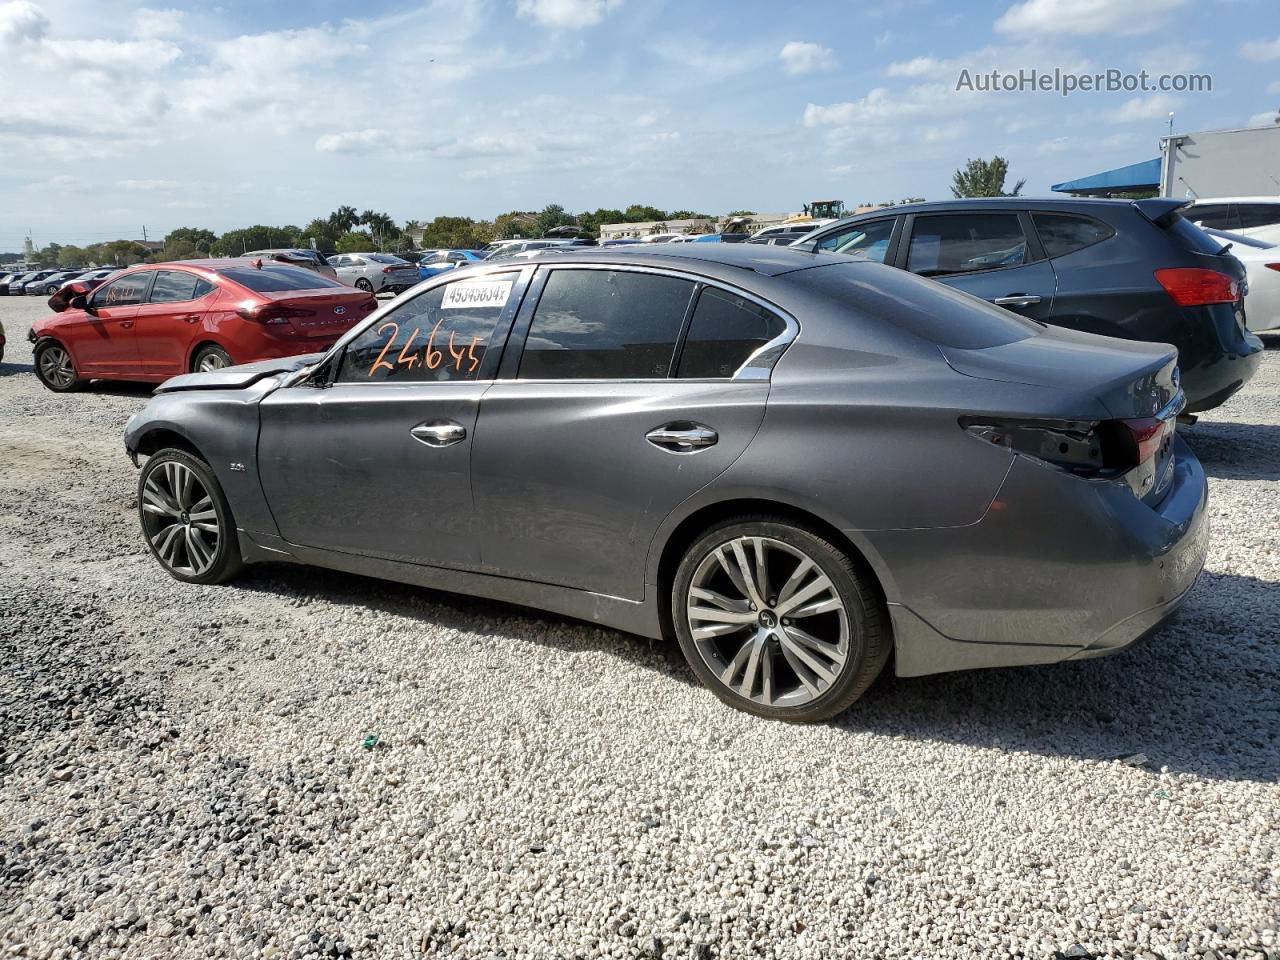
point(1212, 375)
point(1059, 568)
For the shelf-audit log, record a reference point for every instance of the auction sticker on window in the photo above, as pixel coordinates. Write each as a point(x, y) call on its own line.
point(470, 294)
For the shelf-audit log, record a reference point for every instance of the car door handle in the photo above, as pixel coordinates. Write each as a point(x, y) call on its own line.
point(1016, 300)
point(682, 437)
point(126, 324)
point(190, 317)
point(439, 433)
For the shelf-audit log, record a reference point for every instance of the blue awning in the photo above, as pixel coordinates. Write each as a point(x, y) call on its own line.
point(1136, 176)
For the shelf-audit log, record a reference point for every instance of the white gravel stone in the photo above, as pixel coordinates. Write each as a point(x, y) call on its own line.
point(183, 772)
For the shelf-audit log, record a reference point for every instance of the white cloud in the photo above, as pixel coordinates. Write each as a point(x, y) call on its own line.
point(1273, 87)
point(148, 185)
point(916, 67)
point(1056, 145)
point(799, 57)
point(1143, 108)
point(1085, 17)
point(1265, 119)
point(354, 141)
point(1261, 49)
point(21, 20)
point(148, 23)
point(566, 14)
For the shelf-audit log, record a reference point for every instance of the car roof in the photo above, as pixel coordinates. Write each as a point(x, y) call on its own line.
point(766, 260)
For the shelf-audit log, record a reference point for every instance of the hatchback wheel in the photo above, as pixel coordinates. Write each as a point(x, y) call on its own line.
point(778, 621)
point(55, 369)
point(211, 358)
point(186, 520)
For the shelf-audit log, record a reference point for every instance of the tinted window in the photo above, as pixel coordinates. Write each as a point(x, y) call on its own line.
point(605, 324)
point(1190, 237)
point(1061, 234)
point(866, 241)
point(439, 335)
point(272, 277)
point(124, 292)
point(933, 312)
point(1220, 215)
point(385, 258)
point(963, 243)
point(726, 329)
point(1258, 214)
point(173, 285)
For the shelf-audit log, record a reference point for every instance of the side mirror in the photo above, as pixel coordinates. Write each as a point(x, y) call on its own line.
point(72, 296)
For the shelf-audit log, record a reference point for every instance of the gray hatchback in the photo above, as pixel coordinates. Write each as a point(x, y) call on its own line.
point(793, 463)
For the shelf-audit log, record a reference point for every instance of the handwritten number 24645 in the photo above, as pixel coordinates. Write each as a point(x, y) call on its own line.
point(433, 356)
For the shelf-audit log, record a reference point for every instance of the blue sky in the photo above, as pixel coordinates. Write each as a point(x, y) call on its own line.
point(118, 115)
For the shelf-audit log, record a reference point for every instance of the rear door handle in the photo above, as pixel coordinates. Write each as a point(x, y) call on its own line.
point(126, 324)
point(682, 437)
point(190, 317)
point(439, 433)
point(1016, 300)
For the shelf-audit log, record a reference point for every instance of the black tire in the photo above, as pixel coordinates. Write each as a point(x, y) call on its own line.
point(214, 562)
point(364, 284)
point(212, 356)
point(857, 626)
point(52, 360)
point(51, 289)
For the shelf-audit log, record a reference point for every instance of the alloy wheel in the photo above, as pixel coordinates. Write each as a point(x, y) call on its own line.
point(56, 367)
point(179, 519)
point(211, 361)
point(768, 621)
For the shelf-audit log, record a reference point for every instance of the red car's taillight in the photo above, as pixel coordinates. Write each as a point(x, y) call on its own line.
point(1198, 286)
point(270, 313)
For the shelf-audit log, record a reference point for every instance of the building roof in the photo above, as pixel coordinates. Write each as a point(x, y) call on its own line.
point(1136, 176)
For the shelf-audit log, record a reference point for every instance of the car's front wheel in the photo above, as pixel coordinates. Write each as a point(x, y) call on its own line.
point(55, 369)
point(186, 520)
point(777, 620)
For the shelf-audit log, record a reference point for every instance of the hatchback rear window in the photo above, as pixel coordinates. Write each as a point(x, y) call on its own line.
point(274, 278)
point(931, 311)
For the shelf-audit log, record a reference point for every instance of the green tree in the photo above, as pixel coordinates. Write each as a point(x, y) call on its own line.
point(355, 241)
point(381, 226)
point(124, 252)
point(553, 215)
point(73, 257)
point(638, 213)
point(461, 233)
point(740, 213)
point(687, 215)
point(982, 178)
point(181, 248)
point(509, 226)
point(322, 231)
point(343, 219)
point(235, 243)
point(198, 239)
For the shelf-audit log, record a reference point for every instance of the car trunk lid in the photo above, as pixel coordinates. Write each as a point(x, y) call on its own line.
point(322, 314)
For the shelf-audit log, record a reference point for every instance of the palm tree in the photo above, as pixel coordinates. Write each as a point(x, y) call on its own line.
point(344, 218)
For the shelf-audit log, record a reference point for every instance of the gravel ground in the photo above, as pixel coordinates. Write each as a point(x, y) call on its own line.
point(306, 764)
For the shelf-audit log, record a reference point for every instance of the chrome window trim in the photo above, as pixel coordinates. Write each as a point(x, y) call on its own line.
point(758, 366)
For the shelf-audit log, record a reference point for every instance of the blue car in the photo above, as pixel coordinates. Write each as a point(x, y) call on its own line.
point(439, 261)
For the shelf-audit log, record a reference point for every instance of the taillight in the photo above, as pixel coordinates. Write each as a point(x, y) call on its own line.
point(1082, 447)
point(390, 269)
point(269, 313)
point(1198, 286)
point(1272, 266)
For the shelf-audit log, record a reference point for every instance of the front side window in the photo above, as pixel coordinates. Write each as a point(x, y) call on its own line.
point(439, 335)
point(124, 292)
point(1061, 234)
point(726, 329)
point(173, 286)
point(866, 241)
point(965, 243)
point(605, 325)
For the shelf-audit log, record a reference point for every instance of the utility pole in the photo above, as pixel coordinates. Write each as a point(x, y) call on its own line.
point(144, 233)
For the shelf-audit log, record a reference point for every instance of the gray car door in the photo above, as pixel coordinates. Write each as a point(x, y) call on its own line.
point(378, 461)
point(594, 433)
point(994, 255)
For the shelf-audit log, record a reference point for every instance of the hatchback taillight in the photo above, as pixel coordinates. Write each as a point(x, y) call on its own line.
point(1198, 286)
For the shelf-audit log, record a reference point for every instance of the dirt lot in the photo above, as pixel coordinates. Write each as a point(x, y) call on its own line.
point(305, 764)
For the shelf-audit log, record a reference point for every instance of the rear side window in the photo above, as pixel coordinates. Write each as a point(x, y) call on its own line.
point(437, 336)
point(1219, 215)
point(964, 243)
point(123, 292)
point(172, 286)
point(934, 312)
point(866, 241)
point(1190, 237)
point(1062, 233)
point(605, 325)
point(271, 278)
point(1258, 214)
point(725, 330)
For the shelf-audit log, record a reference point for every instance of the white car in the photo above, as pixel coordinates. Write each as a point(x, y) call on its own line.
point(1257, 217)
point(1262, 263)
point(375, 272)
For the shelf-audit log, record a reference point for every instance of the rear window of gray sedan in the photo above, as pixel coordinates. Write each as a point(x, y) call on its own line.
point(928, 309)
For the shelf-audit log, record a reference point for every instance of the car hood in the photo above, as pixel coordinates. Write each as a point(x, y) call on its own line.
point(238, 377)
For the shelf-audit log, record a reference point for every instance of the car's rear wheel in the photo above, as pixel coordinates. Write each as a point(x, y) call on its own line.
point(210, 358)
point(51, 289)
point(186, 520)
point(55, 369)
point(777, 620)
point(364, 284)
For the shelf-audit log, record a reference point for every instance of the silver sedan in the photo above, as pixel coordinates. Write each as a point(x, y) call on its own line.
point(375, 272)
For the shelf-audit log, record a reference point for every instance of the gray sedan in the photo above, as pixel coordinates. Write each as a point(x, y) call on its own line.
point(375, 272)
point(791, 463)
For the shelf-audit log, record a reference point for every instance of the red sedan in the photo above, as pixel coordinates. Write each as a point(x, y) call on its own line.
point(159, 320)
